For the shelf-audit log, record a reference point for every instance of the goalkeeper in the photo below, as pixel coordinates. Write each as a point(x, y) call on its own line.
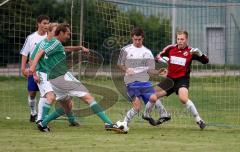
point(179, 58)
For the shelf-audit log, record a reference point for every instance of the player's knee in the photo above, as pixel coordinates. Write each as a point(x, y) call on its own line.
point(50, 97)
point(183, 99)
point(160, 92)
point(88, 98)
point(137, 106)
point(153, 98)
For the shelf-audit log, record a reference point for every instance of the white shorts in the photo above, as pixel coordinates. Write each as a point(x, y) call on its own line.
point(67, 85)
point(44, 85)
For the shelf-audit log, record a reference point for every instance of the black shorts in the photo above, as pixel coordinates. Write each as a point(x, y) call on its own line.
point(177, 83)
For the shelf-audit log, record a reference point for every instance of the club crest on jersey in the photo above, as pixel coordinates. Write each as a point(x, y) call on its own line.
point(185, 53)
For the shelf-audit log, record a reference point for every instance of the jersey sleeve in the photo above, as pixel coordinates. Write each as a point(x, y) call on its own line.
point(166, 50)
point(50, 48)
point(26, 47)
point(122, 57)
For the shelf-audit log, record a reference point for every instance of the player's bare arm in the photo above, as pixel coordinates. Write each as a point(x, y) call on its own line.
point(23, 65)
point(76, 48)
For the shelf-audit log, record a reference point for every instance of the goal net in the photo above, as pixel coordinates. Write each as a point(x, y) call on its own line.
point(104, 26)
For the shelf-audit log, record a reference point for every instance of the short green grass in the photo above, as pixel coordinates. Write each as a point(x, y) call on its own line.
point(217, 100)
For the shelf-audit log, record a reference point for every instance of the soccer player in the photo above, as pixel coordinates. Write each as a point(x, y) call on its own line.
point(137, 62)
point(180, 57)
point(63, 82)
point(28, 47)
point(45, 86)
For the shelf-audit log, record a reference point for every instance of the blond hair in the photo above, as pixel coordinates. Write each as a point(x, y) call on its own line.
point(182, 32)
point(51, 26)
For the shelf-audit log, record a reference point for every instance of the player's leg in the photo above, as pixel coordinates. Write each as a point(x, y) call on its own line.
point(73, 87)
point(67, 106)
point(44, 87)
point(163, 114)
point(133, 93)
point(136, 106)
point(41, 103)
point(42, 125)
point(183, 96)
point(164, 88)
point(96, 108)
point(149, 105)
point(59, 111)
point(32, 91)
point(149, 98)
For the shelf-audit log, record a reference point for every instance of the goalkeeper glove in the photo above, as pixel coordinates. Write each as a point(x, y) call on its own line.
point(196, 51)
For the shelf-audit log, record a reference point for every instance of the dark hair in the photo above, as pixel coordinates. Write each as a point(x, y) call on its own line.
point(137, 31)
point(182, 32)
point(62, 28)
point(40, 18)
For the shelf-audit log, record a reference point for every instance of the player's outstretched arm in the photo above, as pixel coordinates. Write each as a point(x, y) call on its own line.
point(76, 48)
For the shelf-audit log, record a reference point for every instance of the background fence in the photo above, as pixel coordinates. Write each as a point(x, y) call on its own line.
point(104, 27)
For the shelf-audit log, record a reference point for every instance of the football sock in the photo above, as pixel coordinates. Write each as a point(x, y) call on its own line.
point(161, 109)
point(41, 103)
point(45, 110)
point(55, 114)
point(148, 109)
point(191, 107)
point(130, 114)
point(71, 117)
point(97, 109)
point(32, 105)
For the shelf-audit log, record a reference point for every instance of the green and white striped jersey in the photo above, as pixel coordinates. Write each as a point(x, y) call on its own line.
point(41, 66)
point(55, 58)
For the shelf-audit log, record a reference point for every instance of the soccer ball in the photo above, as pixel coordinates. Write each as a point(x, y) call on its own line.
point(123, 125)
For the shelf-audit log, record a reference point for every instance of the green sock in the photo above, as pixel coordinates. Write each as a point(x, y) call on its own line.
point(99, 111)
point(46, 109)
point(71, 117)
point(55, 114)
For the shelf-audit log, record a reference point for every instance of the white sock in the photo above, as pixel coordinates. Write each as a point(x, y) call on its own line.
point(148, 109)
point(41, 103)
point(32, 105)
point(191, 107)
point(161, 109)
point(130, 114)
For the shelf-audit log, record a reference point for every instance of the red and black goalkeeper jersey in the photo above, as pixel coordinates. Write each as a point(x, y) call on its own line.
point(180, 60)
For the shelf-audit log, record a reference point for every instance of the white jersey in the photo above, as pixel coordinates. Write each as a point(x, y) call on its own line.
point(140, 60)
point(30, 43)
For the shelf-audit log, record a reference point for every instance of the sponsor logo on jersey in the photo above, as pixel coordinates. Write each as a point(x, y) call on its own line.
point(178, 60)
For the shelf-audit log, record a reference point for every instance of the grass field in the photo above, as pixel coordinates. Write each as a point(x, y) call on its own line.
point(217, 99)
